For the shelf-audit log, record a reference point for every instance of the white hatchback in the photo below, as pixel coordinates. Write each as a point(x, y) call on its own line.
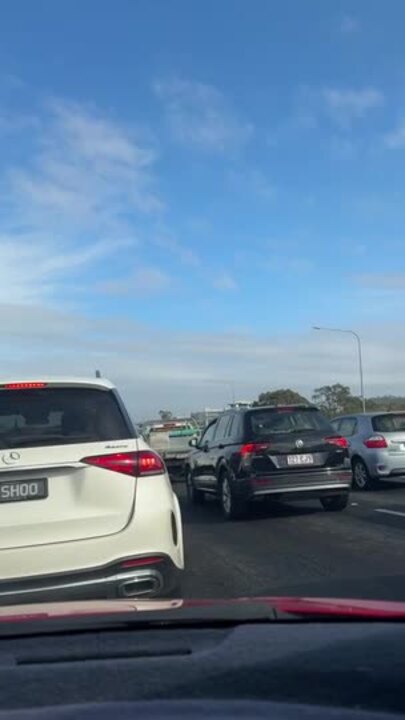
point(87, 509)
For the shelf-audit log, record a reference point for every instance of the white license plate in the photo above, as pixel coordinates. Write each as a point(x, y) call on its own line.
point(300, 459)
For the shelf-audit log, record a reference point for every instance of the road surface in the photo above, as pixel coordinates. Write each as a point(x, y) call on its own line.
point(298, 549)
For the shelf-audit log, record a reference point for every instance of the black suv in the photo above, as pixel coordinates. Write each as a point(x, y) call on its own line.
point(289, 451)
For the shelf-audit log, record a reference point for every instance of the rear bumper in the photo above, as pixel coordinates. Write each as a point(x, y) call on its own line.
point(385, 465)
point(158, 579)
point(314, 484)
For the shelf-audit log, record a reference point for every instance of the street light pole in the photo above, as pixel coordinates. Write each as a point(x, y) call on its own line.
point(359, 349)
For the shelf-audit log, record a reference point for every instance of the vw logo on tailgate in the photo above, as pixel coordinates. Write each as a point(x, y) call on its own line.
point(299, 443)
point(10, 458)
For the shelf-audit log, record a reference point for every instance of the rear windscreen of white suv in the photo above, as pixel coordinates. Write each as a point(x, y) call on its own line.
point(60, 415)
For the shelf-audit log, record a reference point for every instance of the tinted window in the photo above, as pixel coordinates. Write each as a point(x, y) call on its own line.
point(262, 423)
point(222, 426)
point(336, 424)
point(389, 423)
point(57, 416)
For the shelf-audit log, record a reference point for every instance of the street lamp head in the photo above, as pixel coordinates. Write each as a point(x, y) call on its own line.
point(315, 327)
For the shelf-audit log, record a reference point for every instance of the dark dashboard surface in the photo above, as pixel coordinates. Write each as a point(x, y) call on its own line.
point(357, 666)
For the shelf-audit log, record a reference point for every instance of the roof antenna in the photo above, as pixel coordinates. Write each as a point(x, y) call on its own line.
point(98, 374)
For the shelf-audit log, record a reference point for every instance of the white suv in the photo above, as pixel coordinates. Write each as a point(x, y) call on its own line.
point(86, 507)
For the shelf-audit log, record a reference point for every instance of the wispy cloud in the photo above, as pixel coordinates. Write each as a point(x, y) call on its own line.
point(349, 25)
point(382, 281)
point(224, 281)
point(184, 254)
point(73, 202)
point(395, 140)
point(199, 115)
point(345, 105)
point(145, 280)
point(342, 107)
point(252, 181)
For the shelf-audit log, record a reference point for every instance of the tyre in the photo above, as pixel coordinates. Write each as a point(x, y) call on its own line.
point(335, 503)
point(195, 497)
point(361, 476)
point(233, 508)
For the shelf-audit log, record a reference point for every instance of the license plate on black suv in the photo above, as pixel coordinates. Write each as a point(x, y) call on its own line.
point(300, 459)
point(19, 490)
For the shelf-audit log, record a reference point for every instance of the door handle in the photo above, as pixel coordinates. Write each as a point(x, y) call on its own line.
point(220, 446)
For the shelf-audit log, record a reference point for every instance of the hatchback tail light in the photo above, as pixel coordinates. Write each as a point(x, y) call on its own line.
point(253, 448)
point(375, 442)
point(337, 440)
point(144, 462)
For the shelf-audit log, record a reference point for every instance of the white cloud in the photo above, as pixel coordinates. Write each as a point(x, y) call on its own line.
point(224, 281)
point(252, 181)
point(342, 107)
point(199, 115)
point(395, 140)
point(74, 201)
point(145, 280)
point(192, 376)
point(382, 281)
point(184, 254)
point(349, 25)
point(346, 105)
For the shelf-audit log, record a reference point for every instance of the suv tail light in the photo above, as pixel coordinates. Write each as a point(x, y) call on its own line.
point(144, 462)
point(252, 448)
point(337, 440)
point(375, 442)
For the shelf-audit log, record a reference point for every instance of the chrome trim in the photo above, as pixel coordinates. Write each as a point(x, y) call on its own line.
point(303, 488)
point(112, 580)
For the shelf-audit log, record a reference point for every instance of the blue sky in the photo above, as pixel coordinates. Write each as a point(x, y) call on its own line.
point(185, 188)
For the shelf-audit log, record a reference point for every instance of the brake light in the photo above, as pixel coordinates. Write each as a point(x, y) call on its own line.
point(144, 462)
point(139, 562)
point(252, 448)
point(375, 442)
point(337, 440)
point(24, 386)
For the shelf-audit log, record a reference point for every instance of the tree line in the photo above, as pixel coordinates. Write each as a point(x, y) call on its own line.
point(333, 400)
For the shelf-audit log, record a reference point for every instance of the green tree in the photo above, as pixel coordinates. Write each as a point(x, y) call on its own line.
point(165, 415)
point(336, 400)
point(283, 396)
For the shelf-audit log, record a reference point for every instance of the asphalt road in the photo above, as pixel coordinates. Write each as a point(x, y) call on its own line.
point(298, 549)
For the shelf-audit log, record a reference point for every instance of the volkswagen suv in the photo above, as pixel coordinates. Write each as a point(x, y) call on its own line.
point(288, 451)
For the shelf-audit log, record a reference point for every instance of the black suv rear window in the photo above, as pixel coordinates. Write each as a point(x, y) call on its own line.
point(389, 423)
point(272, 421)
point(58, 416)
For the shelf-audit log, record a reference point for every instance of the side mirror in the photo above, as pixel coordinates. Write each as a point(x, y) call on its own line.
point(193, 442)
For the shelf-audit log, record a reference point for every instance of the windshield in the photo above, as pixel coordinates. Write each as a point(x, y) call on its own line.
point(202, 223)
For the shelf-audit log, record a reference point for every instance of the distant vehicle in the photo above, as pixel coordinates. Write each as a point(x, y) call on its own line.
point(376, 446)
point(171, 440)
point(87, 509)
point(288, 451)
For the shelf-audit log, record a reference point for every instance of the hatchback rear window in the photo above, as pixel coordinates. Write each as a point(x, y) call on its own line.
point(262, 423)
point(389, 423)
point(58, 416)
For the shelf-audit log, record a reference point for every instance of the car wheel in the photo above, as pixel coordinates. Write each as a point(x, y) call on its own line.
point(361, 476)
point(335, 503)
point(195, 497)
point(233, 508)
